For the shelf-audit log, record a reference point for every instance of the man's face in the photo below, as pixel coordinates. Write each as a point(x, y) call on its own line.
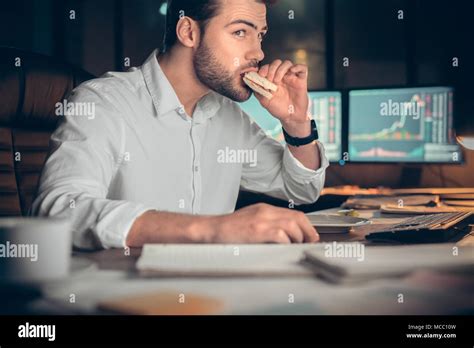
point(230, 47)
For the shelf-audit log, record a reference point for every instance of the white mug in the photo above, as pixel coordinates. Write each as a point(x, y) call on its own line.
point(34, 250)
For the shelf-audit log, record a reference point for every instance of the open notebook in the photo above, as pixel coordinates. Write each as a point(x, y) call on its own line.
point(223, 260)
point(352, 262)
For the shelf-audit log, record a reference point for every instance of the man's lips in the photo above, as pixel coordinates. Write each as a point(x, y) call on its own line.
point(248, 70)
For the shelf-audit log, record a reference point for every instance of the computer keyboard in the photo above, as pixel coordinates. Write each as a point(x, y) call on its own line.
point(429, 228)
point(428, 221)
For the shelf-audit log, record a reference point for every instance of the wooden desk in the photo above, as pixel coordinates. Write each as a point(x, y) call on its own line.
point(108, 274)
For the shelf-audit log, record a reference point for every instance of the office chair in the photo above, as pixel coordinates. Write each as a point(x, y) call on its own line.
point(30, 86)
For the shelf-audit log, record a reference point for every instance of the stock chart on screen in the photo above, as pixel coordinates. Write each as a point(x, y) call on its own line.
point(402, 125)
point(325, 108)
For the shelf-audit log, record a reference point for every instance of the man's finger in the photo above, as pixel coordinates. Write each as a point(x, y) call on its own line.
point(292, 229)
point(263, 70)
point(278, 235)
point(309, 232)
point(282, 70)
point(295, 232)
point(272, 69)
point(300, 70)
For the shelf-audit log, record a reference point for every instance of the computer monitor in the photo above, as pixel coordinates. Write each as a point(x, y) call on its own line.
point(326, 110)
point(402, 125)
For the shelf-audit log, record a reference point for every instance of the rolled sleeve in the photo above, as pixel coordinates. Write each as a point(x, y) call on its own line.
point(298, 172)
point(114, 226)
point(278, 173)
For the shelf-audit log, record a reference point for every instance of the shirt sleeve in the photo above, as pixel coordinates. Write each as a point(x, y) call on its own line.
point(85, 153)
point(277, 172)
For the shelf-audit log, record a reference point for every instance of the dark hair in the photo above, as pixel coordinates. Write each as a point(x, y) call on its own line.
point(201, 11)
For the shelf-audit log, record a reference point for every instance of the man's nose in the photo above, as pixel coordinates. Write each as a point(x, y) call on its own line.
point(256, 54)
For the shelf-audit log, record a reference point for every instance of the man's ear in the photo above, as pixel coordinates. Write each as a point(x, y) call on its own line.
point(187, 32)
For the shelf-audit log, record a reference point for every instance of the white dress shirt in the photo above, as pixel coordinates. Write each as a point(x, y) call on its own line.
point(127, 146)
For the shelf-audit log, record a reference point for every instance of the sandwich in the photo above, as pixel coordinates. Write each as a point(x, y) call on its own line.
point(260, 84)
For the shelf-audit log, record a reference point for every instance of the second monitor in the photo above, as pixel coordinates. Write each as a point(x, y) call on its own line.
point(402, 125)
point(325, 107)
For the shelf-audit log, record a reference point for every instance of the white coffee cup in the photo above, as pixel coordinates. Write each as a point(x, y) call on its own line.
point(34, 250)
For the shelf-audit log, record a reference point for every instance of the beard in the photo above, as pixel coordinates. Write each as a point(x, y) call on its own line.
point(215, 77)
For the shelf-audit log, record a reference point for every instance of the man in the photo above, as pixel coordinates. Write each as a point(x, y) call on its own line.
point(144, 168)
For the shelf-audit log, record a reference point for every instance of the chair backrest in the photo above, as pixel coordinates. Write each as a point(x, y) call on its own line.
point(30, 86)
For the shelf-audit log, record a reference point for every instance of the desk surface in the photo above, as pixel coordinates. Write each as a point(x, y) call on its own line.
point(108, 274)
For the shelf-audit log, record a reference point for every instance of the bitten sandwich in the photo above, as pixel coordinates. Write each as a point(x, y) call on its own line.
point(260, 84)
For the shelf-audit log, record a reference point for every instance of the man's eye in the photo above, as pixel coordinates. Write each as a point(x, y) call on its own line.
point(240, 33)
point(261, 36)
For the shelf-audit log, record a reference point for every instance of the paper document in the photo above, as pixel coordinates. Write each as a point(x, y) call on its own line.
point(417, 210)
point(223, 260)
point(359, 202)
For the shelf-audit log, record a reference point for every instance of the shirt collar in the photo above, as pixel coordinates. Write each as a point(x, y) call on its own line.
point(164, 97)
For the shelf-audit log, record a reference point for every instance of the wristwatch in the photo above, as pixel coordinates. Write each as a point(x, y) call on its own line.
point(294, 141)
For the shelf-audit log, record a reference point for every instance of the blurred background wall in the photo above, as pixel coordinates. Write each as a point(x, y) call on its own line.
point(385, 48)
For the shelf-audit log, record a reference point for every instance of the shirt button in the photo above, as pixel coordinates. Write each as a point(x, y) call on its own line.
point(196, 168)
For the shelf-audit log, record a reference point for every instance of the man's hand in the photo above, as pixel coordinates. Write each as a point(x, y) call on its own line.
point(259, 223)
point(290, 102)
point(263, 223)
point(290, 105)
